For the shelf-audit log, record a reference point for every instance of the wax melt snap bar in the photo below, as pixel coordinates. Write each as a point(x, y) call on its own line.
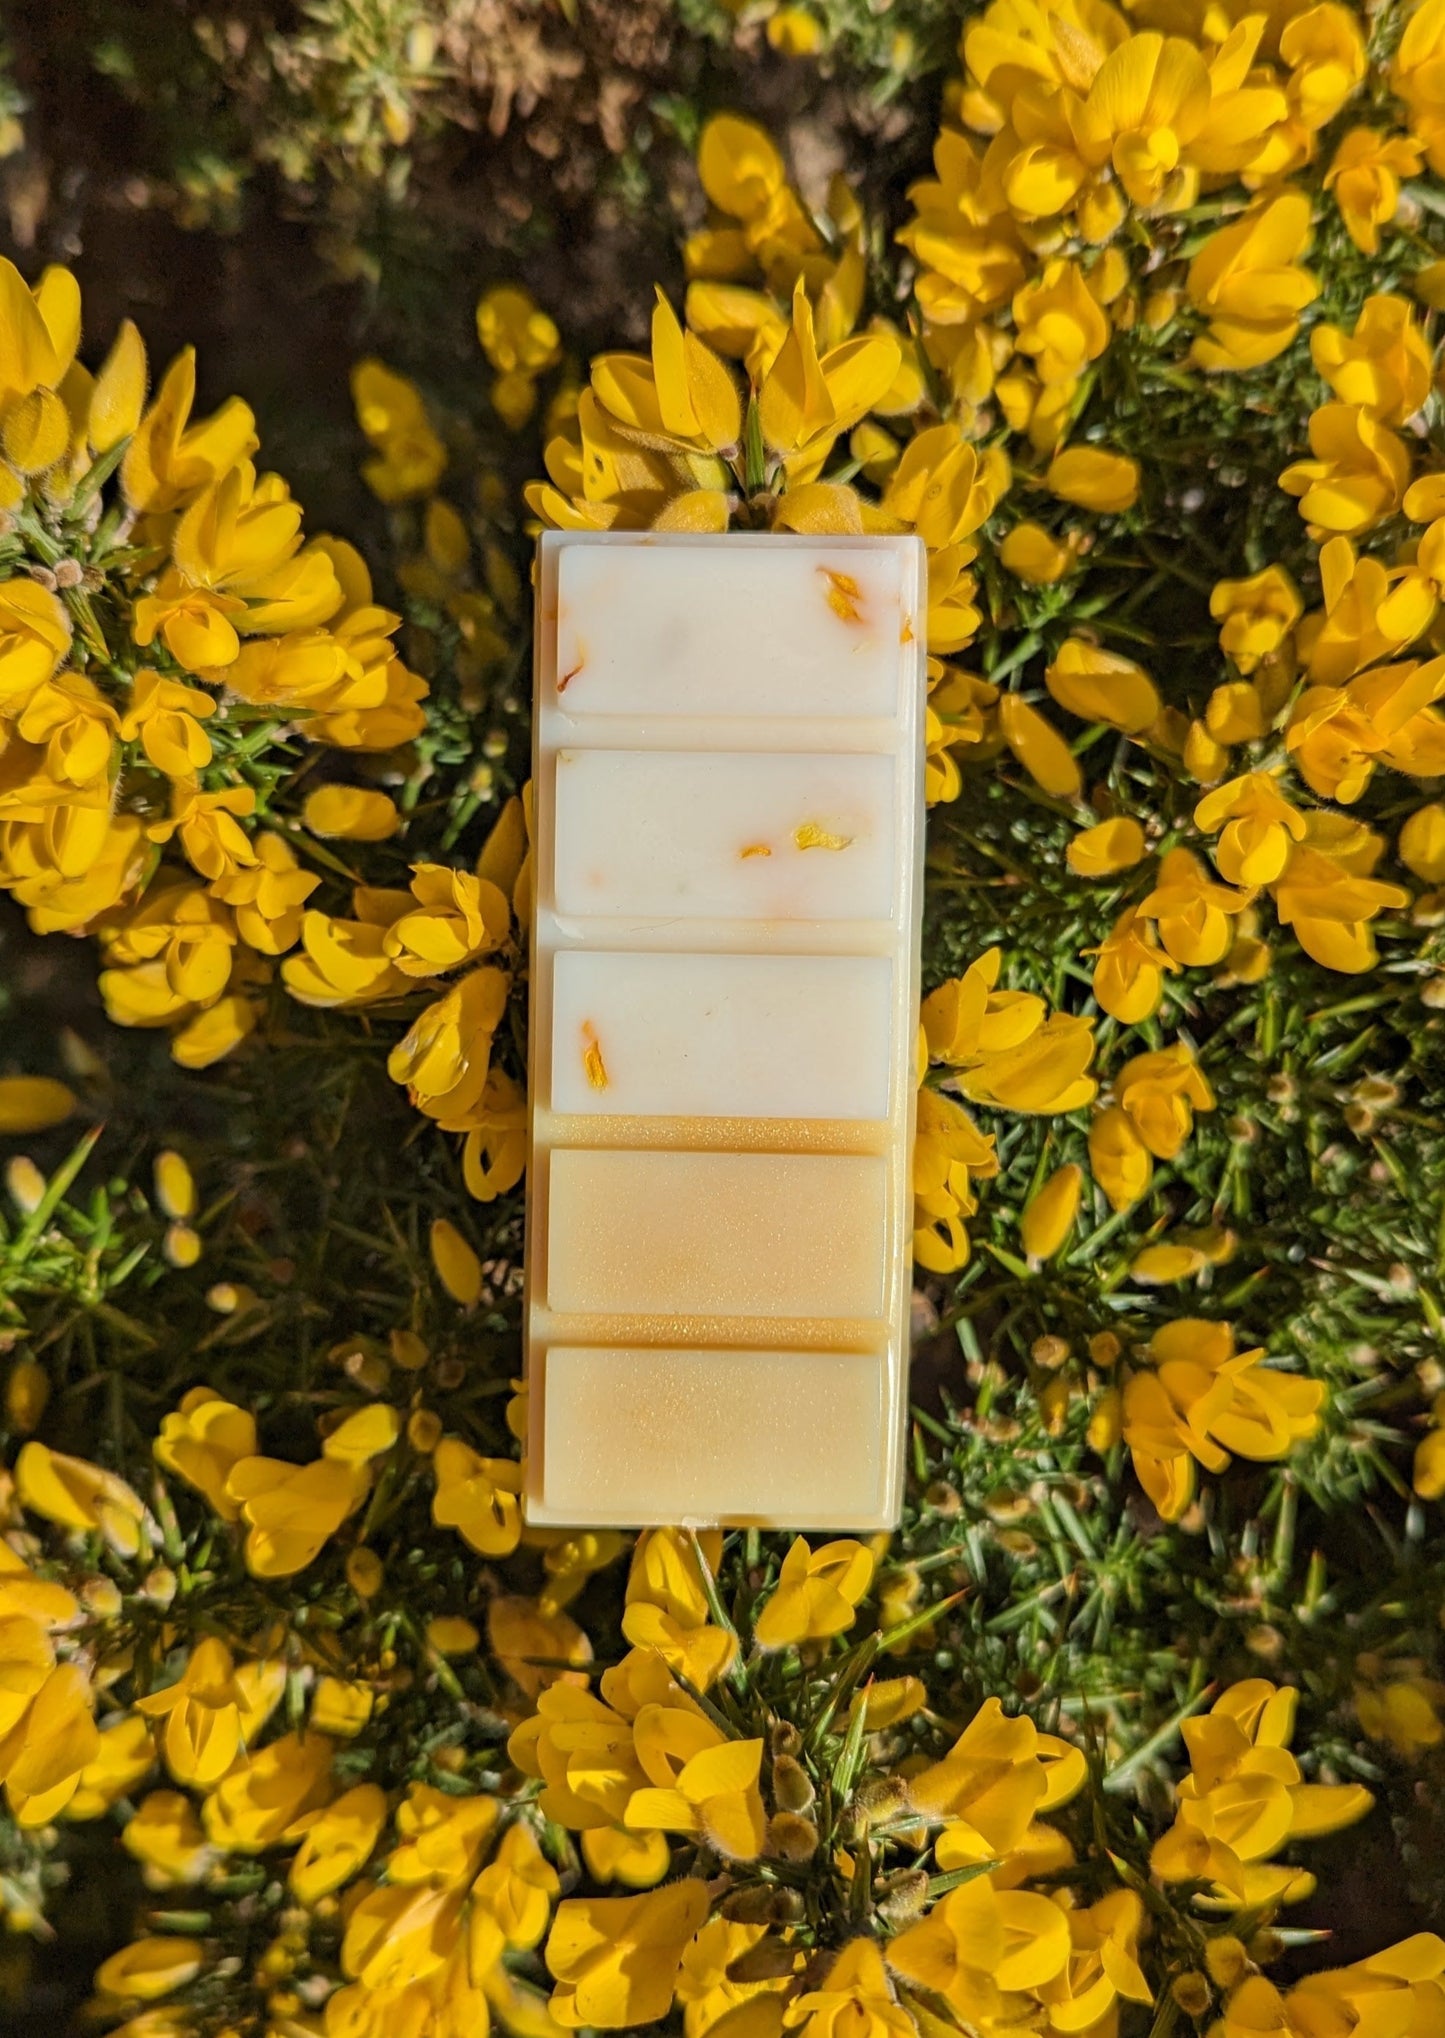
point(728, 830)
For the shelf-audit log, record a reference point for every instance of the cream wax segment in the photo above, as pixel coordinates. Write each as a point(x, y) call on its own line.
point(728, 836)
point(641, 833)
point(726, 1036)
point(717, 1234)
point(658, 629)
point(715, 1435)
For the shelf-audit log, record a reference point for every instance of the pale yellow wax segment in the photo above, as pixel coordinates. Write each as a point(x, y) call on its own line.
point(717, 1234)
point(633, 1437)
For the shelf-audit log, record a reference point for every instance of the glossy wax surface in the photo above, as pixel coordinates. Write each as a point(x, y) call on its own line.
point(728, 826)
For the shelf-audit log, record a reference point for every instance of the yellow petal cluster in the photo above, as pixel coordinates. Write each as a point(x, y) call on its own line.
point(642, 1759)
point(1244, 1798)
point(1199, 1400)
point(218, 599)
point(817, 1593)
point(667, 1604)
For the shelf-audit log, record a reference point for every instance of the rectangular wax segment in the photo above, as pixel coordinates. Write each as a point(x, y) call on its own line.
point(725, 1036)
point(716, 1234)
point(638, 1436)
point(731, 837)
point(746, 630)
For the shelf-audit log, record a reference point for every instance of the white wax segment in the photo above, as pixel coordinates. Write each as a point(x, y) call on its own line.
point(728, 839)
point(735, 630)
point(731, 1036)
point(655, 833)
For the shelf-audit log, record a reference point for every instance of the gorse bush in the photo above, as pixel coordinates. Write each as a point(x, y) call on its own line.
point(1151, 365)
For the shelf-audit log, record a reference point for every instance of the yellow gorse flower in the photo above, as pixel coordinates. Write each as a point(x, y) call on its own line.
point(81, 1496)
point(682, 399)
point(149, 1968)
point(48, 1736)
point(477, 1496)
point(343, 962)
point(456, 918)
point(1094, 479)
point(1404, 1984)
point(1415, 77)
point(1102, 686)
point(202, 1715)
point(1256, 615)
point(638, 1761)
point(338, 1841)
point(1059, 323)
point(1160, 1093)
point(1258, 825)
point(424, 1944)
point(1191, 912)
point(746, 180)
point(706, 1989)
point(1203, 1400)
point(1004, 1048)
point(667, 1607)
point(1327, 895)
point(1248, 281)
point(979, 1946)
point(1429, 1465)
point(1365, 179)
point(263, 1795)
point(35, 635)
point(168, 1840)
point(532, 1642)
point(589, 1775)
point(410, 455)
point(170, 460)
point(1401, 1711)
point(807, 400)
point(1035, 555)
point(33, 1103)
point(854, 2000)
point(291, 1510)
point(949, 1154)
point(518, 1888)
point(1383, 365)
point(1130, 970)
point(1244, 1798)
point(1357, 477)
point(615, 1960)
point(817, 1593)
point(701, 1782)
point(988, 1788)
point(1000, 1048)
point(1048, 1216)
point(521, 342)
